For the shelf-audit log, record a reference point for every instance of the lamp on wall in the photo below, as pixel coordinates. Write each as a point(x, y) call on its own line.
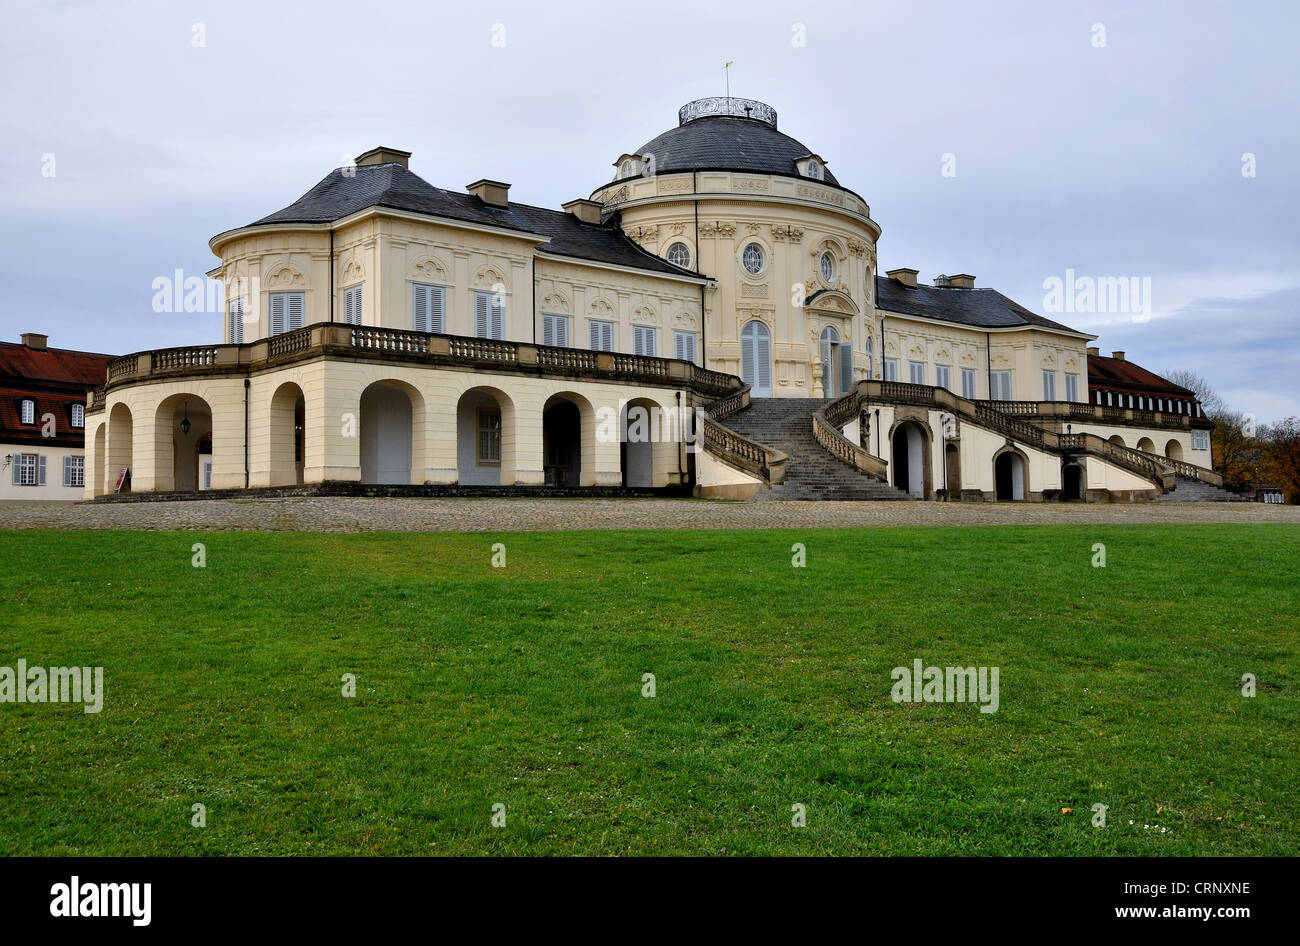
point(185, 422)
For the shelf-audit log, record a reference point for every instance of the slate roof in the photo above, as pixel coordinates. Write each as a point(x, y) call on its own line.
point(728, 143)
point(1121, 375)
point(978, 308)
point(398, 188)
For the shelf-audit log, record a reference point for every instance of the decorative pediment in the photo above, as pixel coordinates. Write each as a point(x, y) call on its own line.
point(916, 353)
point(1001, 362)
point(430, 268)
point(285, 276)
point(353, 272)
point(1049, 359)
point(831, 301)
point(686, 319)
point(556, 303)
point(1071, 364)
point(943, 356)
point(600, 309)
point(645, 315)
point(488, 277)
point(967, 360)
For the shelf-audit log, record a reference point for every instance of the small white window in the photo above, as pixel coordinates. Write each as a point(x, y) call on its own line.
point(754, 259)
point(891, 369)
point(352, 305)
point(235, 322)
point(815, 170)
point(555, 330)
point(78, 415)
point(916, 372)
point(74, 471)
point(600, 335)
point(1000, 385)
point(828, 267)
point(644, 340)
point(942, 375)
point(968, 383)
point(287, 311)
point(679, 254)
point(428, 308)
point(1049, 385)
point(684, 346)
point(489, 315)
point(1071, 387)
point(1200, 440)
point(28, 469)
point(28, 411)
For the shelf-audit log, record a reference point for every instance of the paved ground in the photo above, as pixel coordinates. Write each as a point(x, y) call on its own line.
point(340, 514)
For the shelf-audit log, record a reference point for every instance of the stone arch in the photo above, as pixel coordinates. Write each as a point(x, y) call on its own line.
point(1174, 450)
point(909, 457)
point(485, 438)
point(392, 420)
point(1117, 440)
point(650, 441)
point(1147, 445)
point(121, 435)
point(1010, 474)
point(182, 435)
point(1074, 480)
point(568, 440)
point(97, 460)
point(286, 435)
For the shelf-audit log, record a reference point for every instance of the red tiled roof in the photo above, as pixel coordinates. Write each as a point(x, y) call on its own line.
point(1117, 374)
point(52, 366)
point(13, 430)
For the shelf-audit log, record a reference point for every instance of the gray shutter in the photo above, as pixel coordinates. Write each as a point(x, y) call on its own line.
point(748, 356)
point(548, 330)
point(562, 331)
point(16, 463)
point(437, 319)
point(607, 336)
point(40, 476)
point(481, 314)
point(297, 309)
point(277, 313)
point(498, 318)
point(593, 332)
point(420, 297)
point(67, 471)
point(765, 362)
point(638, 340)
point(846, 368)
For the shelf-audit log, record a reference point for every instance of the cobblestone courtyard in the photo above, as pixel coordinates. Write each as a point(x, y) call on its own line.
point(343, 514)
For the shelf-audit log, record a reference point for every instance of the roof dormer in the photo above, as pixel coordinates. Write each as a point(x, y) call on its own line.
point(812, 167)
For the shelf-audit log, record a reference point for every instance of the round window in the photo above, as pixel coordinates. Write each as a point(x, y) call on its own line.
point(828, 267)
point(753, 258)
point(679, 254)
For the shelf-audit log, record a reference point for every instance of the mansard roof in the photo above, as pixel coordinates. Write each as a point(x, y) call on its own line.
point(395, 187)
point(978, 308)
point(728, 143)
point(1119, 374)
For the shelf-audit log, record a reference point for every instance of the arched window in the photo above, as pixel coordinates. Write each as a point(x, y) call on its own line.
point(679, 254)
point(78, 415)
point(753, 259)
point(28, 411)
point(815, 170)
point(828, 267)
point(756, 358)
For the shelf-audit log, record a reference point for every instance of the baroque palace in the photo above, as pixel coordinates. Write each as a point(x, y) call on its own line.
point(711, 320)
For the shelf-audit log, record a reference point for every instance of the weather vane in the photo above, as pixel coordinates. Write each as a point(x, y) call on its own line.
point(727, 69)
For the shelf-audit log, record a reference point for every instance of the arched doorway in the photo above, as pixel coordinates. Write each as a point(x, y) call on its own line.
point(1174, 450)
point(288, 422)
point(952, 470)
point(97, 460)
point(183, 444)
point(1071, 481)
point(639, 431)
point(562, 442)
point(1117, 440)
point(1009, 476)
point(756, 358)
point(831, 382)
point(908, 458)
point(120, 434)
point(1146, 445)
point(392, 415)
point(485, 438)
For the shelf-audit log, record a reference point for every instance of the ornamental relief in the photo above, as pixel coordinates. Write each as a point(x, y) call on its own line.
point(600, 308)
point(353, 272)
point(672, 185)
point(967, 360)
point(857, 247)
point(285, 276)
point(1001, 361)
point(644, 234)
point(756, 184)
point(717, 229)
point(488, 277)
point(617, 197)
point(759, 291)
point(686, 319)
point(781, 233)
point(645, 315)
point(430, 268)
point(556, 303)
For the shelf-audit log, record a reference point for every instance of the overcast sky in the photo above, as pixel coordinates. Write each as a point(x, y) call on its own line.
point(1103, 138)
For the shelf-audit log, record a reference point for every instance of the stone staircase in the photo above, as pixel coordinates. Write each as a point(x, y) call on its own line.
point(812, 472)
point(1188, 490)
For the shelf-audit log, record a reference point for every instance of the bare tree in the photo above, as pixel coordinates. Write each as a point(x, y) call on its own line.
point(1211, 403)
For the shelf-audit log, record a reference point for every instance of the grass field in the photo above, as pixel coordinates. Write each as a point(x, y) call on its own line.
point(522, 686)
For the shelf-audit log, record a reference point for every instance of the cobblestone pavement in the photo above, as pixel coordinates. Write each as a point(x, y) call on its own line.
point(345, 514)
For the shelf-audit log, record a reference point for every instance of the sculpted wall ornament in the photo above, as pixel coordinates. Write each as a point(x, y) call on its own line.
point(645, 315)
point(670, 185)
point(285, 276)
point(556, 303)
point(857, 247)
point(600, 308)
point(429, 267)
point(782, 233)
point(617, 197)
point(749, 291)
point(353, 272)
point(487, 277)
point(687, 319)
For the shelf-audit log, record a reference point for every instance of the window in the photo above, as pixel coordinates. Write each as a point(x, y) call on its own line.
point(235, 322)
point(968, 383)
point(828, 267)
point(815, 170)
point(74, 471)
point(489, 315)
point(942, 375)
point(891, 369)
point(489, 437)
point(1049, 385)
point(29, 469)
point(644, 340)
point(867, 345)
point(684, 346)
point(753, 258)
point(555, 330)
point(679, 254)
point(1071, 387)
point(428, 308)
point(352, 305)
point(287, 311)
point(205, 482)
point(78, 415)
point(1200, 440)
point(1000, 385)
point(916, 372)
point(601, 335)
point(29, 411)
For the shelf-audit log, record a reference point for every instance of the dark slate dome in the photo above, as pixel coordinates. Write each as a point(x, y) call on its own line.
point(728, 134)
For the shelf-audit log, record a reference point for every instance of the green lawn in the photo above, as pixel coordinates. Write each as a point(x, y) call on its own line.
point(523, 686)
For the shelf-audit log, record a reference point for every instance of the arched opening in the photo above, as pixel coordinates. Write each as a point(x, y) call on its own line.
point(952, 470)
point(1009, 476)
point(639, 429)
point(97, 461)
point(1174, 450)
point(182, 444)
point(1146, 445)
point(288, 416)
point(485, 438)
point(120, 434)
point(1071, 482)
point(830, 362)
point(392, 415)
point(908, 458)
point(1117, 440)
point(756, 358)
point(563, 446)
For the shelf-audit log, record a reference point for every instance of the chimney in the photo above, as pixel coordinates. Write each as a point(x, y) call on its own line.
point(588, 211)
point(906, 276)
point(941, 281)
point(35, 341)
point(1117, 355)
point(382, 155)
point(1094, 351)
point(490, 192)
point(961, 281)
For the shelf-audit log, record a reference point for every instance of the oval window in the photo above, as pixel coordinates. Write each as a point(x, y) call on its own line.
point(753, 258)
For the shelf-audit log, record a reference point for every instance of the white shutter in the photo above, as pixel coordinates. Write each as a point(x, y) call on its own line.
point(748, 359)
point(67, 471)
point(684, 346)
point(607, 336)
point(562, 331)
point(40, 476)
point(593, 332)
point(277, 313)
point(352, 305)
point(765, 363)
point(420, 307)
point(297, 310)
point(481, 314)
point(236, 330)
point(846, 368)
point(638, 340)
point(437, 309)
point(498, 318)
point(548, 330)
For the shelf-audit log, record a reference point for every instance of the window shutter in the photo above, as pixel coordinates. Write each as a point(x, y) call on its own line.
point(40, 476)
point(748, 350)
point(607, 336)
point(498, 318)
point(420, 307)
point(437, 309)
point(236, 330)
point(846, 368)
point(352, 305)
point(297, 309)
point(765, 362)
point(638, 340)
point(548, 330)
point(17, 462)
point(277, 313)
point(593, 332)
point(562, 331)
point(67, 471)
point(481, 314)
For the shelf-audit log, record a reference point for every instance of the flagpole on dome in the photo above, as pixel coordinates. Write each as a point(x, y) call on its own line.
point(727, 70)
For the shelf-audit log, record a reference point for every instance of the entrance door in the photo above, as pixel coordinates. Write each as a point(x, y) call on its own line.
point(756, 358)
